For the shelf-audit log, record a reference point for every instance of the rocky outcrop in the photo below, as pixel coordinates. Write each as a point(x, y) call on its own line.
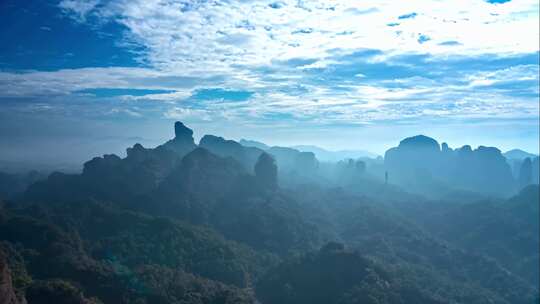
point(182, 132)
point(266, 172)
point(517, 154)
point(111, 177)
point(484, 169)
point(420, 164)
point(414, 157)
point(202, 175)
point(254, 144)
point(293, 161)
point(183, 141)
point(7, 292)
point(247, 156)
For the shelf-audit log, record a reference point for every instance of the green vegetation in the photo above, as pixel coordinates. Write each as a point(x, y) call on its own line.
point(180, 224)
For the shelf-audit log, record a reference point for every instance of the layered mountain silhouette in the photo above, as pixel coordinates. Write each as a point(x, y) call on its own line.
point(222, 222)
point(334, 156)
point(517, 154)
point(419, 162)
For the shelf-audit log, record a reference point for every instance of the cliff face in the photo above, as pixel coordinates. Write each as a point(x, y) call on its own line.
point(7, 293)
point(420, 163)
point(182, 143)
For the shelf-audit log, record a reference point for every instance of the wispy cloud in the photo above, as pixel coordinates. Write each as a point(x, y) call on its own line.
point(183, 35)
point(78, 9)
point(305, 62)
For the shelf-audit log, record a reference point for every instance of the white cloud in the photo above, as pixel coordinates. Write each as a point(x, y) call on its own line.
point(129, 112)
point(233, 44)
point(217, 35)
point(165, 97)
point(188, 114)
point(67, 81)
point(78, 9)
point(514, 73)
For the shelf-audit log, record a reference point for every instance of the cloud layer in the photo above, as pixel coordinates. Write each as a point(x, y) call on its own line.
point(299, 63)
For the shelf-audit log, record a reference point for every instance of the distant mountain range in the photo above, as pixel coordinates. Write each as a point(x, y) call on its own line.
point(421, 164)
point(321, 153)
point(218, 222)
point(517, 154)
point(327, 155)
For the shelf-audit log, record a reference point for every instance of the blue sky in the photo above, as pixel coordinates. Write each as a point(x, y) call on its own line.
point(96, 75)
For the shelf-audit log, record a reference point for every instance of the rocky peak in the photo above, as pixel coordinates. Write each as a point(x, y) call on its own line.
point(489, 151)
point(222, 146)
point(466, 149)
point(181, 132)
point(136, 153)
point(419, 141)
point(101, 164)
point(183, 141)
point(445, 147)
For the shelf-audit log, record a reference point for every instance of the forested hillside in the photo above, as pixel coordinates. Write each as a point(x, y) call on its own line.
point(219, 222)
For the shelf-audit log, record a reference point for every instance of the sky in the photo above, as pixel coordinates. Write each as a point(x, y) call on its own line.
point(83, 78)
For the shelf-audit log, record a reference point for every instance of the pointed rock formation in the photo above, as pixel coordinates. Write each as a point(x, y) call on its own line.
point(445, 148)
point(182, 132)
point(183, 142)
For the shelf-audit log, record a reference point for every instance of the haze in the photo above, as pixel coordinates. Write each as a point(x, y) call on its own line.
point(95, 76)
point(269, 152)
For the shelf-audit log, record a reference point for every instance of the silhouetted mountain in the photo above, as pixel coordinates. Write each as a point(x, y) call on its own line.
point(517, 154)
point(113, 178)
point(535, 170)
point(254, 144)
point(419, 164)
point(183, 142)
point(320, 153)
point(334, 156)
point(266, 172)
point(194, 186)
point(247, 156)
point(515, 159)
point(215, 191)
point(109, 177)
point(225, 223)
point(525, 173)
point(292, 161)
point(13, 184)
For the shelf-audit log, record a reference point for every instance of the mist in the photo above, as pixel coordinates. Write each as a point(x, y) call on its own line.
point(269, 152)
point(295, 216)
